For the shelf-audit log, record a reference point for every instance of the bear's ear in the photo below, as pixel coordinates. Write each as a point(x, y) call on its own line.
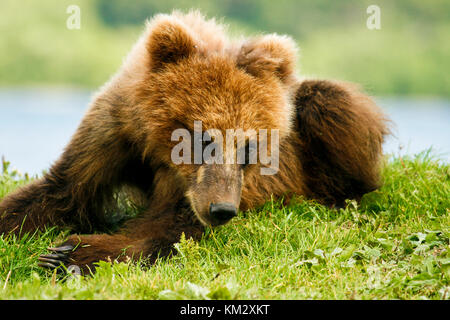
point(169, 42)
point(270, 54)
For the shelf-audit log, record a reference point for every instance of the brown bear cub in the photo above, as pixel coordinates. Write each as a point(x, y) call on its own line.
point(324, 140)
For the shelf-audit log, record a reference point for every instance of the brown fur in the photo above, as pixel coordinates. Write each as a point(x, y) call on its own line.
point(184, 68)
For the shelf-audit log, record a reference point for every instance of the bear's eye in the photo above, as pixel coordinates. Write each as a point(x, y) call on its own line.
point(207, 140)
point(250, 154)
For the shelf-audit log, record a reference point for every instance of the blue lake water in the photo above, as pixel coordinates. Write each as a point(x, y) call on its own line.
point(36, 124)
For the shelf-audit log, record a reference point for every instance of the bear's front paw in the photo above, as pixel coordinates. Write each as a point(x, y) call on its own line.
point(60, 257)
point(75, 255)
point(84, 251)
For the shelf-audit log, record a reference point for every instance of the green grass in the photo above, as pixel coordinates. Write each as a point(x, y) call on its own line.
point(395, 245)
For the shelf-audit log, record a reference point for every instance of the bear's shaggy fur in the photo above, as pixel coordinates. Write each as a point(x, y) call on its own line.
point(184, 69)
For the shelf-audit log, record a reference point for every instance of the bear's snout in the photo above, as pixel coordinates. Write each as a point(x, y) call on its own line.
point(222, 212)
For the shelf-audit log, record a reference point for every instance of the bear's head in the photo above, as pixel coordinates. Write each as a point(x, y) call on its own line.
point(214, 108)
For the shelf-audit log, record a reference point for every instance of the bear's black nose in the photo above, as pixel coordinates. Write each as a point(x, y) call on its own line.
point(222, 212)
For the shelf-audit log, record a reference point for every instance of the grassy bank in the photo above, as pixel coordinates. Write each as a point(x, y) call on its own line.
point(394, 245)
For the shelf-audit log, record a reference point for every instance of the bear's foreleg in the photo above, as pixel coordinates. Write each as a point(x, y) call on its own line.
point(150, 236)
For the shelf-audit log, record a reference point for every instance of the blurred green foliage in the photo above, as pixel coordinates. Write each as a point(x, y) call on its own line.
point(408, 56)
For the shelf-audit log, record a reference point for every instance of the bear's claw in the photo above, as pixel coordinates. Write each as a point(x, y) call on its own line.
point(63, 249)
point(47, 265)
point(58, 258)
